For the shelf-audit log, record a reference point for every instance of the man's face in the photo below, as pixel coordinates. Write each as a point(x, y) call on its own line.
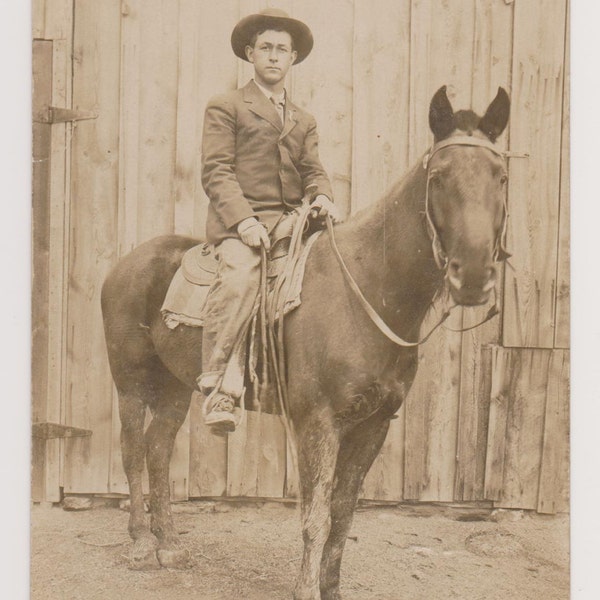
point(272, 57)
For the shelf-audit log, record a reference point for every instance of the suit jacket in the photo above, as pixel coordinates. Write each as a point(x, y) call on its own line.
point(252, 164)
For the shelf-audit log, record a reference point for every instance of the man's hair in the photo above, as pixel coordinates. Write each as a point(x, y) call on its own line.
point(258, 32)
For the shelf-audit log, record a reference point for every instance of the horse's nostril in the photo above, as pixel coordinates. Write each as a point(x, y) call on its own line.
point(454, 268)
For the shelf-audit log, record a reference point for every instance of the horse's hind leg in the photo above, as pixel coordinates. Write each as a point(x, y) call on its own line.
point(169, 412)
point(357, 453)
point(133, 447)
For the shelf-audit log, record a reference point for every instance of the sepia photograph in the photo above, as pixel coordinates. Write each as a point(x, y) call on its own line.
point(300, 300)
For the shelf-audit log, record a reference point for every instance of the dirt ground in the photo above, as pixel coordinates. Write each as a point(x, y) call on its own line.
point(252, 552)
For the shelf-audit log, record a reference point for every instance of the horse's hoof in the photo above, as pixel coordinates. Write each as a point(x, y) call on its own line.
point(143, 554)
point(174, 558)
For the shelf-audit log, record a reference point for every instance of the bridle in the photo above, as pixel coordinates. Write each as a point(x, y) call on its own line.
point(440, 257)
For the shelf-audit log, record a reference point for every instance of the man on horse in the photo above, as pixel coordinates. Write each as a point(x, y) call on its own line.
point(259, 157)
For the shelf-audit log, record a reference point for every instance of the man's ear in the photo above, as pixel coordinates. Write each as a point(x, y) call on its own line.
point(249, 53)
point(294, 56)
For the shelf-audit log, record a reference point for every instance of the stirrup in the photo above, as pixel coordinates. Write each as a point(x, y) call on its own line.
point(220, 412)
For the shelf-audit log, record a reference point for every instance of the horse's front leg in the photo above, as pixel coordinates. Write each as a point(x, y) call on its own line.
point(317, 443)
point(358, 450)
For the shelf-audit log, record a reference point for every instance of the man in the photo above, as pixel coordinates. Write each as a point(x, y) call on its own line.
point(259, 156)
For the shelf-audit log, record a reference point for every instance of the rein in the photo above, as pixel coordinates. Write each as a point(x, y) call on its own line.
point(439, 255)
point(374, 316)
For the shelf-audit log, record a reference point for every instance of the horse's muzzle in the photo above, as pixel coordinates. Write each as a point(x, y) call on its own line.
point(470, 288)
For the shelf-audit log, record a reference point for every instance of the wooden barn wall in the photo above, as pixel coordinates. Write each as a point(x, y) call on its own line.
point(481, 398)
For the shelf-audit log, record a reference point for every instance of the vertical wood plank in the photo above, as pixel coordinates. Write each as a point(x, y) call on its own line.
point(129, 128)
point(554, 469)
point(563, 299)
point(45, 471)
point(442, 39)
point(208, 452)
point(491, 69)
point(379, 104)
point(498, 415)
point(51, 19)
point(208, 456)
point(322, 84)
point(187, 143)
point(385, 479)
point(38, 12)
point(535, 126)
point(256, 457)
point(518, 408)
point(525, 427)
point(380, 99)
point(94, 181)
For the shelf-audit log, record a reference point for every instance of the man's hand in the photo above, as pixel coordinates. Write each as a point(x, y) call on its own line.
point(323, 206)
point(253, 233)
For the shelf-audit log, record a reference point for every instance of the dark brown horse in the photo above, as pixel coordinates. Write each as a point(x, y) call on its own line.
point(441, 225)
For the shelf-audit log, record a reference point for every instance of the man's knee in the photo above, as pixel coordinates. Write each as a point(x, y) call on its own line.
point(239, 265)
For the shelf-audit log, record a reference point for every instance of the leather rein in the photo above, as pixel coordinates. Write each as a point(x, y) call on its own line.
point(440, 257)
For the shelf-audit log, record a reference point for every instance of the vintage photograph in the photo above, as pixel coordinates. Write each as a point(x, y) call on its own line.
point(300, 299)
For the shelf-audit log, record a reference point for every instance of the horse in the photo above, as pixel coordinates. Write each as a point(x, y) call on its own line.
point(439, 228)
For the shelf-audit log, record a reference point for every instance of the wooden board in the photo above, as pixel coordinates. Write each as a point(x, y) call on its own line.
point(208, 456)
point(554, 472)
point(322, 84)
point(562, 319)
point(51, 19)
point(521, 379)
point(491, 69)
point(256, 457)
point(379, 158)
point(535, 127)
point(93, 224)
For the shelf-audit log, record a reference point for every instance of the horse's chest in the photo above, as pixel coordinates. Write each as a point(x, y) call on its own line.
point(384, 394)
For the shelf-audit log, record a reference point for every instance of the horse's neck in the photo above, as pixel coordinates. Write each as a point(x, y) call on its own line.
point(388, 252)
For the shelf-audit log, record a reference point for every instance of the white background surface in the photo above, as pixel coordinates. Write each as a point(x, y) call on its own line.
point(15, 184)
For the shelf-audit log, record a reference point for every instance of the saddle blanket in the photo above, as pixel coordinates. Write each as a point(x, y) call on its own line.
point(189, 287)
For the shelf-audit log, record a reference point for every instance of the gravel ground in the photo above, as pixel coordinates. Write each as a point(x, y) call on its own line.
point(252, 552)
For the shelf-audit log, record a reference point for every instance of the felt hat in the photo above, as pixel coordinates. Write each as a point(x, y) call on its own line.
point(276, 19)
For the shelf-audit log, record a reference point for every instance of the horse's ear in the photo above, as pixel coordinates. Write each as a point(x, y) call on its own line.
point(441, 115)
point(496, 116)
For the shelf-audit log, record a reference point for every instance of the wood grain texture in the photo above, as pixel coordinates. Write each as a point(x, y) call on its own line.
point(501, 366)
point(208, 456)
point(51, 19)
point(535, 127)
point(322, 84)
point(158, 63)
point(256, 457)
point(554, 471)
point(562, 321)
point(491, 69)
point(94, 185)
point(442, 39)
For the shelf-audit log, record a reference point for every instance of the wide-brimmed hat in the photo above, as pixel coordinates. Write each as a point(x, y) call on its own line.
point(277, 19)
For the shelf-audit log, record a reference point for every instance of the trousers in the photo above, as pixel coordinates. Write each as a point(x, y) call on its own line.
point(228, 307)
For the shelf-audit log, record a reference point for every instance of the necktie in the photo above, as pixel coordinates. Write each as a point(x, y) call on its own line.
point(279, 105)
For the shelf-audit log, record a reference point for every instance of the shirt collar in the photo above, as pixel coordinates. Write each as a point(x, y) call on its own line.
point(278, 98)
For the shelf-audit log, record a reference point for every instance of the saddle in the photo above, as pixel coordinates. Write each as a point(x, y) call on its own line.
point(189, 287)
point(187, 293)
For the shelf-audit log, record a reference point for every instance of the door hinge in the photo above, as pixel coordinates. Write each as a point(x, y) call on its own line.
point(49, 431)
point(53, 114)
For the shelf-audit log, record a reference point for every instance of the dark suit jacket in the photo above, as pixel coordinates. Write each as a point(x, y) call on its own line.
point(252, 165)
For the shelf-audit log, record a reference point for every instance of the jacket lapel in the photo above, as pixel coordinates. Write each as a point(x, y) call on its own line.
point(260, 105)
